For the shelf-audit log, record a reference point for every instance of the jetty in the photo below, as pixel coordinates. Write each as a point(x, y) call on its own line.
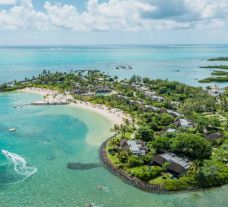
point(42, 103)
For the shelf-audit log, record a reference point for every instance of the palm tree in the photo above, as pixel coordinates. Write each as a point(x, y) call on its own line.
point(123, 130)
point(126, 121)
point(133, 122)
point(115, 129)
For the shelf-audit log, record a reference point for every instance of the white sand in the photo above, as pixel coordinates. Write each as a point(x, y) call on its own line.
point(39, 91)
point(115, 116)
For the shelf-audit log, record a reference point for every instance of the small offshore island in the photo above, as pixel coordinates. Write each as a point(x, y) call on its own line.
point(176, 138)
point(217, 75)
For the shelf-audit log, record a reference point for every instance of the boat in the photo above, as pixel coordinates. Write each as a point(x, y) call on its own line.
point(12, 129)
point(99, 187)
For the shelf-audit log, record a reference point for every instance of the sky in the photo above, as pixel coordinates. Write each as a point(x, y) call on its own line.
point(85, 22)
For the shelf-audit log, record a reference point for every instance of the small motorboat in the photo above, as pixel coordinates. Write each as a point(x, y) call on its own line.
point(12, 129)
point(99, 187)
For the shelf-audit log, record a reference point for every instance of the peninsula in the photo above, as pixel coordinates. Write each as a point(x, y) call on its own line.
point(173, 137)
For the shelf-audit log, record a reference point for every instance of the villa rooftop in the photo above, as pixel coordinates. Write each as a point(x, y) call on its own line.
point(173, 113)
point(170, 130)
point(184, 123)
point(178, 165)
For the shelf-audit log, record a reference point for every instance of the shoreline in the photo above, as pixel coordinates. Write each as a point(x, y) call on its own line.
point(114, 116)
point(136, 182)
point(124, 176)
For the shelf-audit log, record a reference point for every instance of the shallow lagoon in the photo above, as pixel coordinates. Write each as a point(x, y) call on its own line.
point(50, 137)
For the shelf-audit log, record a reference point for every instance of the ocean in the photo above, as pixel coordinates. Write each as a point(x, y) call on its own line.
point(172, 62)
point(33, 167)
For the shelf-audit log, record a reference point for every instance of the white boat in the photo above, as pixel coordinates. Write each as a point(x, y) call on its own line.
point(12, 130)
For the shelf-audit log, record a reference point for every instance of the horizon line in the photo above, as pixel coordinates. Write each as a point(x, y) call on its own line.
point(136, 44)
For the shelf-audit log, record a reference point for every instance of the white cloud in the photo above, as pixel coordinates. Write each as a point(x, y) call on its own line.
point(7, 2)
point(116, 15)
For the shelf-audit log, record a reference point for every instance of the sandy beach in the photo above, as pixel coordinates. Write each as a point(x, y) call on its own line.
point(39, 91)
point(115, 116)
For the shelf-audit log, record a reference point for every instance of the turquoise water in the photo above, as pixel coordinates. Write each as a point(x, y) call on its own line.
point(152, 61)
point(49, 137)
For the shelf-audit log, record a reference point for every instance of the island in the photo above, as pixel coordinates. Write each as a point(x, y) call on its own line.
point(174, 137)
point(218, 59)
point(215, 79)
point(217, 76)
point(225, 67)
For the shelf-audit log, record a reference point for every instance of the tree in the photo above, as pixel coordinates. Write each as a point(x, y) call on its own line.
point(212, 174)
point(130, 93)
point(123, 130)
point(126, 122)
point(133, 122)
point(146, 173)
point(154, 126)
point(166, 119)
point(134, 161)
point(209, 124)
point(161, 144)
point(145, 133)
point(123, 156)
point(192, 145)
point(115, 129)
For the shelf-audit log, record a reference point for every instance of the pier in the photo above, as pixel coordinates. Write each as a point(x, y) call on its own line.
point(42, 103)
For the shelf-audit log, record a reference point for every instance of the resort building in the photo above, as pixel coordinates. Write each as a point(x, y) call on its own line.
point(134, 102)
point(184, 123)
point(178, 165)
point(103, 90)
point(80, 91)
point(157, 98)
point(145, 90)
point(151, 108)
point(213, 136)
point(135, 86)
point(121, 97)
point(175, 104)
point(215, 91)
point(173, 113)
point(170, 130)
point(149, 93)
point(135, 147)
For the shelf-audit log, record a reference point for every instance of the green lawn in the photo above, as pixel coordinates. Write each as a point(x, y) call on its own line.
point(160, 180)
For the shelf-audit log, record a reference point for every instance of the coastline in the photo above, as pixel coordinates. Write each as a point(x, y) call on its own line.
point(124, 176)
point(134, 181)
point(114, 116)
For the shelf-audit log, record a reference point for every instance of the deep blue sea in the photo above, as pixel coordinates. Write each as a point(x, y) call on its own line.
point(173, 62)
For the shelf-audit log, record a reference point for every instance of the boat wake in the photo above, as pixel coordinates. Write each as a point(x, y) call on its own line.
point(20, 167)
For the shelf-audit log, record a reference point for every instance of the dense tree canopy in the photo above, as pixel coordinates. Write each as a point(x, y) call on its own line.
point(212, 174)
point(144, 133)
point(161, 144)
point(191, 145)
